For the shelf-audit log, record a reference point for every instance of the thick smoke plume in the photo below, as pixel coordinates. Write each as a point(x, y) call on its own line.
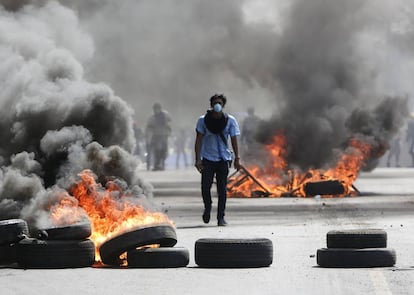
point(53, 122)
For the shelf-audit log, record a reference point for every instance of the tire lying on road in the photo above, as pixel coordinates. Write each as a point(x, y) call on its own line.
point(369, 257)
point(167, 257)
point(12, 231)
point(77, 231)
point(163, 235)
point(34, 253)
point(357, 239)
point(213, 253)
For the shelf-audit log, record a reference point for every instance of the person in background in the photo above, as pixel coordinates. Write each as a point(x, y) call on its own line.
point(180, 147)
point(157, 131)
point(212, 154)
point(410, 137)
point(249, 128)
point(395, 150)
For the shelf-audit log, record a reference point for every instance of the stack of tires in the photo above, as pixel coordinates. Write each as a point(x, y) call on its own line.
point(145, 247)
point(57, 247)
point(356, 248)
point(11, 232)
point(233, 253)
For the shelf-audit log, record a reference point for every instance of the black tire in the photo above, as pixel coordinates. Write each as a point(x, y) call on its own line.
point(370, 257)
point(357, 239)
point(34, 253)
point(78, 231)
point(215, 253)
point(326, 187)
point(162, 234)
point(8, 254)
point(12, 231)
point(158, 257)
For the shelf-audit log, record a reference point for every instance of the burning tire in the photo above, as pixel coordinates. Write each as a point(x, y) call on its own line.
point(163, 235)
point(78, 231)
point(216, 253)
point(371, 257)
point(359, 238)
point(12, 231)
point(8, 254)
point(158, 257)
point(34, 253)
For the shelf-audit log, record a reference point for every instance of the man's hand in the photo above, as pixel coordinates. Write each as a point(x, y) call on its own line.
point(199, 165)
point(237, 164)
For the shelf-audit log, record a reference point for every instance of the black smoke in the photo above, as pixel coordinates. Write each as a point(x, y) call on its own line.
point(328, 89)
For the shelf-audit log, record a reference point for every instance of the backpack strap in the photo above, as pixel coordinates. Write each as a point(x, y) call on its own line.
point(221, 133)
point(223, 138)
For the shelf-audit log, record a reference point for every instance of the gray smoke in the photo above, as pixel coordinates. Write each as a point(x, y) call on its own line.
point(178, 54)
point(53, 122)
point(181, 54)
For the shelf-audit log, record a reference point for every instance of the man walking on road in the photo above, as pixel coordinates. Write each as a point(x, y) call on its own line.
point(212, 154)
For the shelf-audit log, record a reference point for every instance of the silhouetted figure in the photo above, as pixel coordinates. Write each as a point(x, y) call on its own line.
point(157, 132)
point(395, 150)
point(249, 128)
point(181, 140)
point(410, 138)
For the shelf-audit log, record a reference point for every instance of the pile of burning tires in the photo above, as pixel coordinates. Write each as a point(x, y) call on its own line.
point(356, 248)
point(70, 247)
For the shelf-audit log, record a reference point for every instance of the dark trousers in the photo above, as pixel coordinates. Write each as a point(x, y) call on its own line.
point(221, 170)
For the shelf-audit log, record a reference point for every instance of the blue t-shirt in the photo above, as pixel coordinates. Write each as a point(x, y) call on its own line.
point(213, 147)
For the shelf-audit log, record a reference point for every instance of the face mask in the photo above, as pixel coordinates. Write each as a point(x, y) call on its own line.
point(217, 108)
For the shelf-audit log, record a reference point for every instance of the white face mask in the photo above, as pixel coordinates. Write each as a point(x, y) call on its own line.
point(217, 107)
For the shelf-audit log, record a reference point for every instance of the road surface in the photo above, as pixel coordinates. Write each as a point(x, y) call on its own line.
point(297, 228)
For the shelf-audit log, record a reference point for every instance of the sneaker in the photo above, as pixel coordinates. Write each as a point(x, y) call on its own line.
point(221, 222)
point(206, 216)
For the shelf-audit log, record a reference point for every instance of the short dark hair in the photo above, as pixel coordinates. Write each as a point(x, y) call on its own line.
point(218, 96)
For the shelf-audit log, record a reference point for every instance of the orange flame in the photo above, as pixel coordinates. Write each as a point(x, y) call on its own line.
point(66, 211)
point(110, 210)
point(278, 180)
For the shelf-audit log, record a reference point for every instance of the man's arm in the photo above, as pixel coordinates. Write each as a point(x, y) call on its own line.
point(197, 150)
point(235, 147)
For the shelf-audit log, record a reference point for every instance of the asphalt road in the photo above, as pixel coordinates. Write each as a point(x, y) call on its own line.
point(297, 228)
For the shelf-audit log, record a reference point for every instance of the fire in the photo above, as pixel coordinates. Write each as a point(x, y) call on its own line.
point(110, 210)
point(276, 180)
point(66, 211)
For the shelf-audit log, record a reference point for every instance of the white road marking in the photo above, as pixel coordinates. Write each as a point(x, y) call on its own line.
point(380, 282)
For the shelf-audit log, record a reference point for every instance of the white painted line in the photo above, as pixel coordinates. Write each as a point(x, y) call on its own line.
point(380, 282)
